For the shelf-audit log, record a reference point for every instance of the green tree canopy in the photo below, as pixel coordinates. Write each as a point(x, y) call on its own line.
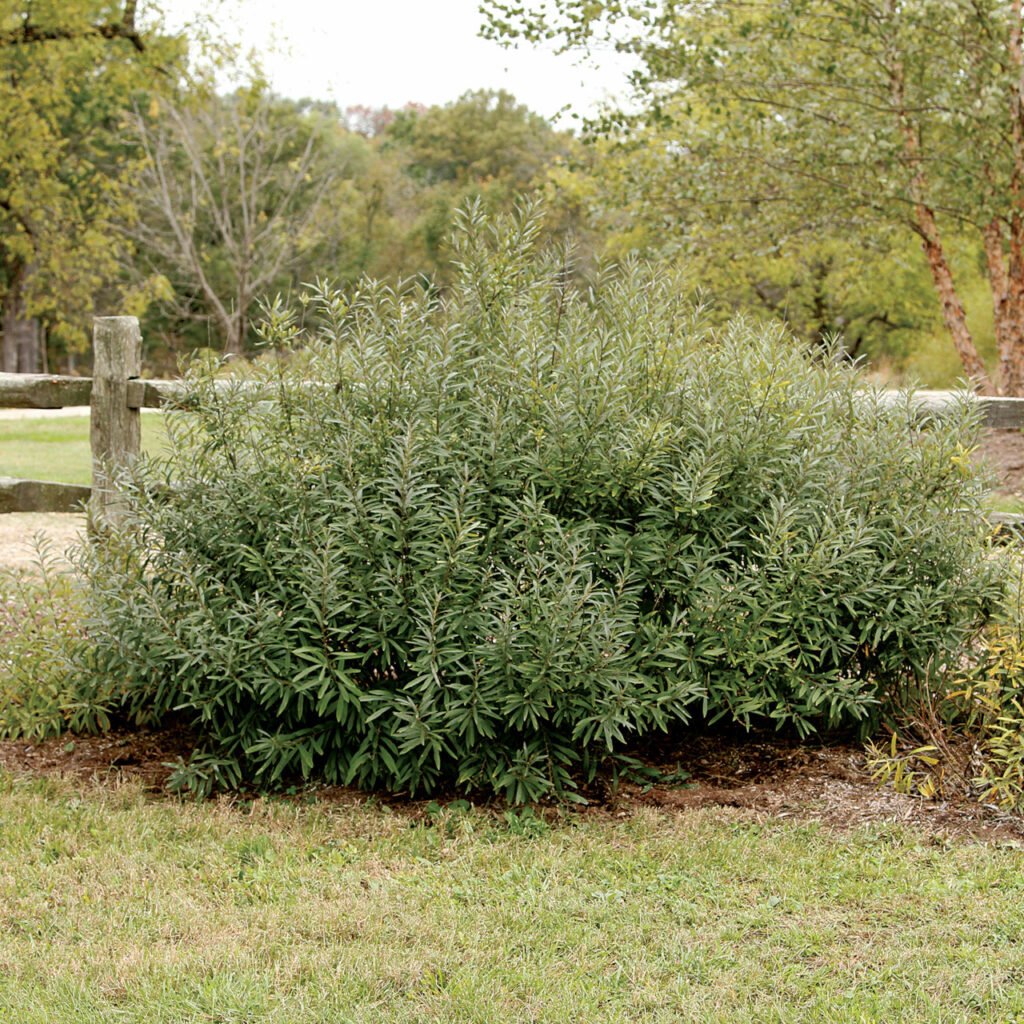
point(69, 70)
point(812, 117)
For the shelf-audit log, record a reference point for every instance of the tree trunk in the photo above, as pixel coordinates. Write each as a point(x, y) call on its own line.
point(8, 348)
point(1007, 289)
point(21, 334)
point(997, 279)
point(29, 355)
point(1007, 282)
point(953, 313)
point(234, 336)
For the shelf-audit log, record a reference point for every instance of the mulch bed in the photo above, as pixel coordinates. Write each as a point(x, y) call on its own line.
point(141, 755)
point(785, 779)
point(762, 778)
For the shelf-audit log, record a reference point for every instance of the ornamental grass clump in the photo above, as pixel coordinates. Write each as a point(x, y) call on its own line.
point(486, 538)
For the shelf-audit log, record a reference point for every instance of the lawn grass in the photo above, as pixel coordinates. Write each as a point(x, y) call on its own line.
point(118, 908)
point(1006, 503)
point(57, 448)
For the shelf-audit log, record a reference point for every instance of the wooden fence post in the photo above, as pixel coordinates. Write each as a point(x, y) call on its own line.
point(115, 431)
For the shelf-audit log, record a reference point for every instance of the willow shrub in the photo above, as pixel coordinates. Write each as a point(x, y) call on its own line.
point(486, 538)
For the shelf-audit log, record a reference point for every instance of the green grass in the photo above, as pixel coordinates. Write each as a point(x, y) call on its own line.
point(1007, 503)
point(115, 908)
point(57, 448)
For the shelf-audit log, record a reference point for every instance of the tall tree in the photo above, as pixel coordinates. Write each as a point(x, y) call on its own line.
point(231, 194)
point(484, 145)
point(905, 113)
point(68, 68)
point(827, 277)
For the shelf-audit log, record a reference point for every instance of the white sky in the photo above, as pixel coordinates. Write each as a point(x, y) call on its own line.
point(391, 52)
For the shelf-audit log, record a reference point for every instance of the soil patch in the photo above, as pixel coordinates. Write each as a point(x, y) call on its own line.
point(1003, 452)
point(761, 778)
point(18, 531)
point(777, 778)
point(142, 755)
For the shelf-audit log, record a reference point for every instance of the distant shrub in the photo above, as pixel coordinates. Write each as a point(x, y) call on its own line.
point(510, 528)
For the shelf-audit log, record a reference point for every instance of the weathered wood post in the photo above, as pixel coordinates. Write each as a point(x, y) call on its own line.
point(115, 431)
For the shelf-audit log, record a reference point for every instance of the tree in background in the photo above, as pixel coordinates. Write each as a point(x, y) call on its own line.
point(245, 196)
point(67, 70)
point(484, 145)
point(822, 118)
point(868, 289)
point(233, 192)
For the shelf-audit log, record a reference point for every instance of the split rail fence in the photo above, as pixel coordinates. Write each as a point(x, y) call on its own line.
point(116, 394)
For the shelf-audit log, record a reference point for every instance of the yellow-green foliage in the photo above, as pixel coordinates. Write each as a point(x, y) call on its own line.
point(973, 732)
point(919, 771)
point(64, 168)
point(992, 698)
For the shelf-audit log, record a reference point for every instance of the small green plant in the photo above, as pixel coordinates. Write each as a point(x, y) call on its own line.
point(525, 822)
point(41, 692)
point(918, 771)
point(489, 538)
point(990, 696)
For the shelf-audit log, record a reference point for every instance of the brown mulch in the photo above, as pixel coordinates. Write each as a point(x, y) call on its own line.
point(141, 755)
point(785, 779)
point(764, 778)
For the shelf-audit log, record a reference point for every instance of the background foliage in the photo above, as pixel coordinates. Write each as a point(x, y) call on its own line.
point(108, 153)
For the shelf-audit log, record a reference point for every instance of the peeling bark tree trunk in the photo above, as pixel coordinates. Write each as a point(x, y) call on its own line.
point(1007, 287)
point(953, 313)
point(1010, 335)
point(1006, 278)
point(998, 282)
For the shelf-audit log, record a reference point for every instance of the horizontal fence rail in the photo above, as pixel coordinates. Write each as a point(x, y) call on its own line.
point(43, 391)
point(116, 394)
point(997, 413)
point(41, 496)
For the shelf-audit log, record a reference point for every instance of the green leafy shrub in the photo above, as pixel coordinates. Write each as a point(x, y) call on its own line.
point(485, 538)
point(41, 691)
